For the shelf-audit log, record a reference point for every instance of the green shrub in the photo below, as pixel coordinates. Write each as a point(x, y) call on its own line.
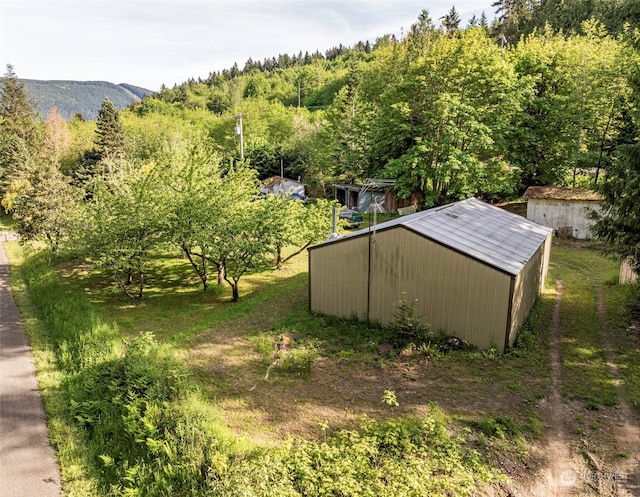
point(498, 426)
point(135, 416)
point(407, 327)
point(401, 457)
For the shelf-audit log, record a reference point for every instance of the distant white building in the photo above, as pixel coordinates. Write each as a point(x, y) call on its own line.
point(284, 186)
point(563, 209)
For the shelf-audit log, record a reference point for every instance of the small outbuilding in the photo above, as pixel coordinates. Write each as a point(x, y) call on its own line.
point(375, 195)
point(473, 269)
point(563, 209)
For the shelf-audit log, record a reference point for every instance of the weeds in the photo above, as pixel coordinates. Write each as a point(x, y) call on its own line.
point(498, 426)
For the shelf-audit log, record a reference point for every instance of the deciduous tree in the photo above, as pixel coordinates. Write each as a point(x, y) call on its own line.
point(124, 222)
point(58, 138)
point(44, 205)
point(440, 128)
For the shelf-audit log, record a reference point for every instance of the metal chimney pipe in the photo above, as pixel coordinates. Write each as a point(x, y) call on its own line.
point(334, 233)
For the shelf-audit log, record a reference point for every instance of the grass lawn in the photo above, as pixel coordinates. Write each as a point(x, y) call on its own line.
point(271, 370)
point(332, 374)
point(586, 374)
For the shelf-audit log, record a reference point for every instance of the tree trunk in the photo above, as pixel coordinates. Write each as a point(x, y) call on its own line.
point(205, 275)
point(234, 292)
point(122, 284)
point(222, 273)
point(140, 283)
point(202, 273)
point(233, 283)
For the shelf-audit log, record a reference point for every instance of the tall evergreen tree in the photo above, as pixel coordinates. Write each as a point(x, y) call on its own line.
point(18, 114)
point(619, 222)
point(19, 129)
point(512, 15)
point(451, 21)
point(483, 20)
point(109, 144)
point(110, 139)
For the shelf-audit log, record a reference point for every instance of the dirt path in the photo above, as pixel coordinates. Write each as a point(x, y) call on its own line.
point(561, 476)
point(577, 464)
point(623, 472)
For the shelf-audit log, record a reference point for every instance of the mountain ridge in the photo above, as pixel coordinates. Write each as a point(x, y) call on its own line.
point(72, 97)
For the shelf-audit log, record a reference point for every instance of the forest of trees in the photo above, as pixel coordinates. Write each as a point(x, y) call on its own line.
point(545, 94)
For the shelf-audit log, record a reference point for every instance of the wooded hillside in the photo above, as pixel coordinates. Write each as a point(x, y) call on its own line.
point(80, 97)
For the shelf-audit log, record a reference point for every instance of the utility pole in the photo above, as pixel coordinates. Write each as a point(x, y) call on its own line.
point(239, 133)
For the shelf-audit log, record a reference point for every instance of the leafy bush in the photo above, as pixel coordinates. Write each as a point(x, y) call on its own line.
point(415, 456)
point(301, 359)
point(142, 433)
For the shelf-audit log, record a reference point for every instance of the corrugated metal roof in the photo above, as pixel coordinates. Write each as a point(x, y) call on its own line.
point(487, 233)
point(562, 193)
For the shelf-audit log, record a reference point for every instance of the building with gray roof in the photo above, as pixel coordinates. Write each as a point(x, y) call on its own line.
point(473, 269)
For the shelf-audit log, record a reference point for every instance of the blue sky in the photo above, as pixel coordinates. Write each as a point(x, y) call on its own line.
point(153, 42)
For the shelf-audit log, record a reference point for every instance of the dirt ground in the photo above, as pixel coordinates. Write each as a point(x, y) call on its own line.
point(565, 461)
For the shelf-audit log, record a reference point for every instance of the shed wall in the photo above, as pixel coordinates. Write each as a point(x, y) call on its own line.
point(567, 217)
point(527, 285)
point(338, 278)
point(627, 274)
point(454, 293)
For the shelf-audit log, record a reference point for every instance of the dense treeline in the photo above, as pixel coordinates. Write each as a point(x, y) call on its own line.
point(447, 112)
point(559, 101)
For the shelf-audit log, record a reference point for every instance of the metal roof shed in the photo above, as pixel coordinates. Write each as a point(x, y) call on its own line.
point(474, 269)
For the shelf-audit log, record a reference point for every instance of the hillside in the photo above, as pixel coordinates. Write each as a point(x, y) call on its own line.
point(84, 97)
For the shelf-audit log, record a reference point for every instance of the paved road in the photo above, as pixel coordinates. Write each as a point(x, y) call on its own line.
point(28, 467)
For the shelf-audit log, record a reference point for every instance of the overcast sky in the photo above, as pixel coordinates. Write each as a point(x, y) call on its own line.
point(150, 42)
